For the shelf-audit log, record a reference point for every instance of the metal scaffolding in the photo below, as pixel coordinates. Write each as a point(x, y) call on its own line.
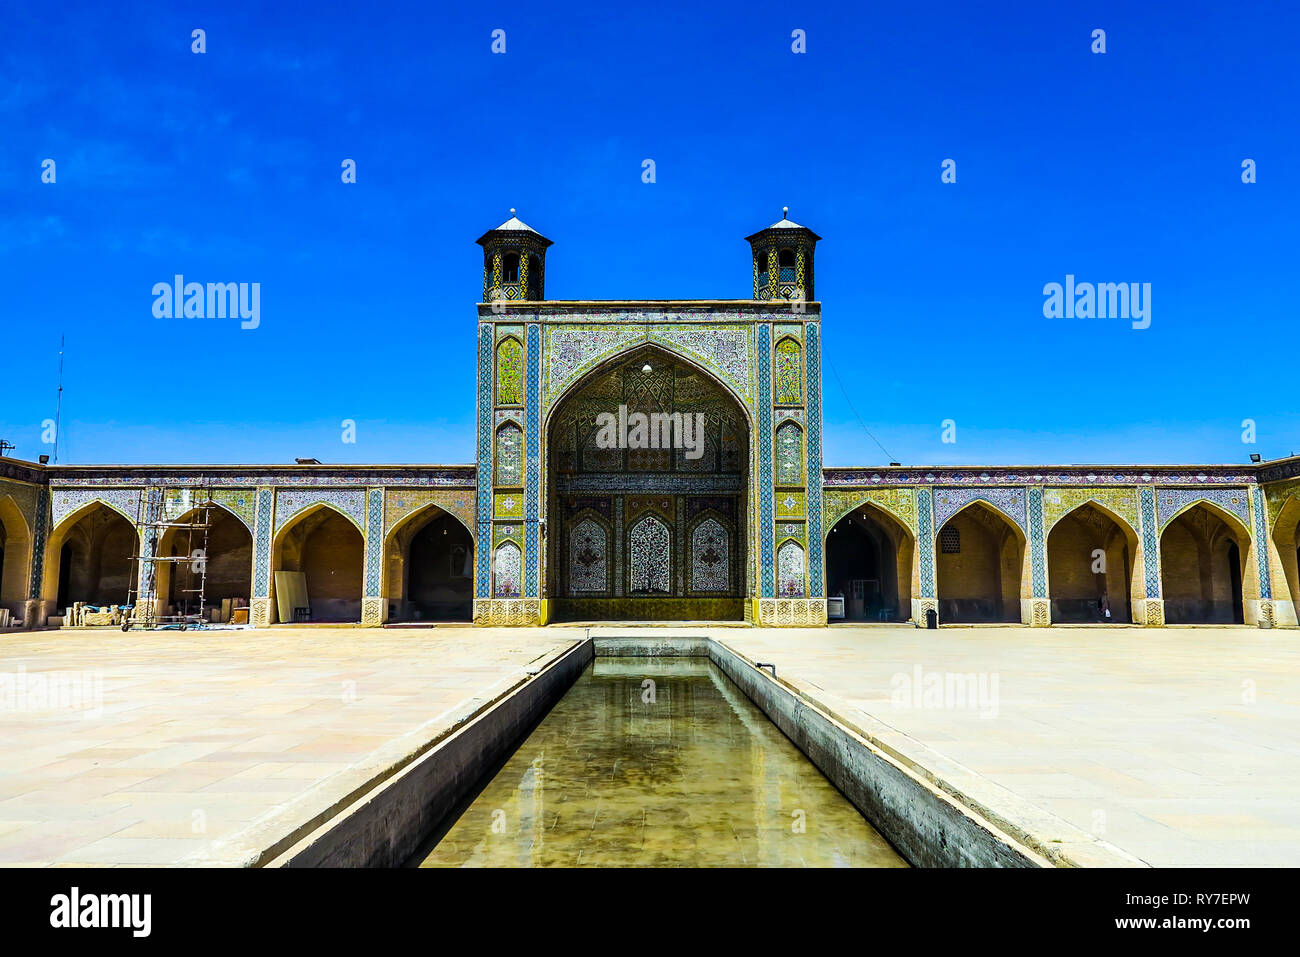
point(189, 512)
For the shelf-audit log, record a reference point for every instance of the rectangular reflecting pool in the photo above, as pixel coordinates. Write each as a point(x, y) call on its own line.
point(658, 762)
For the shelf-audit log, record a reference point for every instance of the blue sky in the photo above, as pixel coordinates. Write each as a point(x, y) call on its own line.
point(225, 166)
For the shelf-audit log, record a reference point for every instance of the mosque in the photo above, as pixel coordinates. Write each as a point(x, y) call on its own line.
point(550, 524)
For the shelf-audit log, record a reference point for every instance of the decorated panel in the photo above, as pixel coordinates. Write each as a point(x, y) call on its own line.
point(588, 558)
point(790, 567)
point(508, 569)
point(649, 557)
point(710, 554)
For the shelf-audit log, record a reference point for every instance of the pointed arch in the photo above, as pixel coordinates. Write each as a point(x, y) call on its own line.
point(981, 563)
point(628, 351)
point(1284, 514)
point(170, 534)
point(650, 576)
point(1125, 525)
point(878, 510)
point(15, 556)
point(307, 511)
point(88, 557)
point(1286, 539)
point(900, 507)
point(84, 509)
point(318, 553)
point(427, 566)
point(1234, 522)
point(420, 515)
point(1093, 567)
point(291, 507)
point(993, 507)
point(228, 561)
point(871, 562)
point(1207, 567)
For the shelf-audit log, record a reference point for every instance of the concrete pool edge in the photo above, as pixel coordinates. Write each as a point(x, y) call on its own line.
point(387, 824)
point(936, 812)
point(278, 836)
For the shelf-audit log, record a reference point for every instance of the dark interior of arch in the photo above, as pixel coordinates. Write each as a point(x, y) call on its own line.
point(440, 573)
point(647, 533)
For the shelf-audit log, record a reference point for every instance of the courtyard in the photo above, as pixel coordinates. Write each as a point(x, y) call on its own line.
point(1174, 745)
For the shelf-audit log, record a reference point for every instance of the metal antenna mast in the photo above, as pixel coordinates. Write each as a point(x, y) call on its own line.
point(58, 406)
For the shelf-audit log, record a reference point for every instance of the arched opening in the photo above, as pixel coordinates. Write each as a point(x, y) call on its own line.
point(15, 554)
point(1201, 569)
point(785, 261)
point(534, 277)
point(642, 453)
point(430, 568)
point(1286, 538)
point(90, 558)
point(1090, 559)
point(510, 264)
point(66, 555)
point(978, 563)
point(869, 565)
point(228, 565)
point(318, 559)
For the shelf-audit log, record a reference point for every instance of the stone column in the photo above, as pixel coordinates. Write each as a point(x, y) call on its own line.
point(34, 612)
point(928, 600)
point(374, 604)
point(1265, 613)
point(1284, 602)
point(483, 498)
point(1039, 612)
point(766, 588)
point(259, 614)
point(813, 404)
point(534, 610)
point(1152, 611)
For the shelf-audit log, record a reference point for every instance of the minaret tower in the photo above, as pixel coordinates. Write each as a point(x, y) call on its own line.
point(783, 260)
point(514, 262)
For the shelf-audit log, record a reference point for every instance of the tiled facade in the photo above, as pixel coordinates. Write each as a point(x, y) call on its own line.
point(757, 546)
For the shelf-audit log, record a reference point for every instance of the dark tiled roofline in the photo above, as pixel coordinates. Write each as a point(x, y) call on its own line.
point(1263, 472)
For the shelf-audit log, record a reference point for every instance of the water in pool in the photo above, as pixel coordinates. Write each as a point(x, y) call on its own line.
point(659, 762)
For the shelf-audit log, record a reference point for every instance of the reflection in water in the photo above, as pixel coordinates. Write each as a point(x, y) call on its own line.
point(659, 762)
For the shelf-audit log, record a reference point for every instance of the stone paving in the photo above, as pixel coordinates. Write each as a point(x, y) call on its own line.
point(1177, 745)
point(185, 738)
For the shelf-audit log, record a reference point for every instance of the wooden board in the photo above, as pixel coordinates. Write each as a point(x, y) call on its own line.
point(290, 593)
